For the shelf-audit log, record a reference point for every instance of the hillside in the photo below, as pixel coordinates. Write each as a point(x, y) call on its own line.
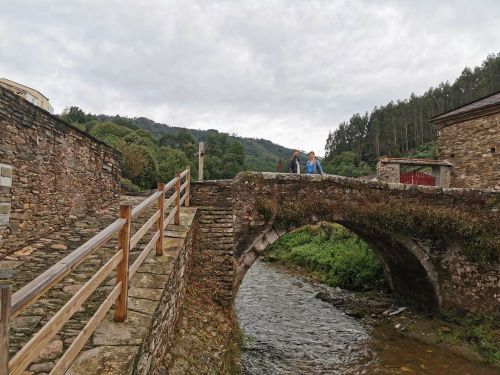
point(402, 127)
point(261, 154)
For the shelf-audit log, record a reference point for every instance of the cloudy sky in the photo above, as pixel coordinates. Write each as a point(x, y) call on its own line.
point(288, 71)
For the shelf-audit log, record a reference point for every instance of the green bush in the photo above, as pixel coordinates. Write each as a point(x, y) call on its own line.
point(128, 186)
point(346, 164)
point(171, 160)
point(138, 165)
point(333, 253)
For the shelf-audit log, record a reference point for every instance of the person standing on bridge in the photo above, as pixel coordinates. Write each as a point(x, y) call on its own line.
point(313, 166)
point(294, 164)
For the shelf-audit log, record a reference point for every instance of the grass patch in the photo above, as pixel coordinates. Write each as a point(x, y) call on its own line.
point(482, 332)
point(333, 254)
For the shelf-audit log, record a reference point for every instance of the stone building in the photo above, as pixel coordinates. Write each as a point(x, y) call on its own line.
point(469, 137)
point(50, 173)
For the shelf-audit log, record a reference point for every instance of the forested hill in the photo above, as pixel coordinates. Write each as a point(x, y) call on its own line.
point(399, 127)
point(260, 154)
point(153, 151)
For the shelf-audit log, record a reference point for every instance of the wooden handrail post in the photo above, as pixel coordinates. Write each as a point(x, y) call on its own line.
point(159, 225)
point(188, 179)
point(121, 304)
point(5, 300)
point(177, 198)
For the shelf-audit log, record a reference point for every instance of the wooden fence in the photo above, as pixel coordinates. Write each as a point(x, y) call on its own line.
point(11, 305)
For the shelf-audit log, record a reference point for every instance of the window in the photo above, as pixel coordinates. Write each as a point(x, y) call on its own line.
point(31, 98)
point(493, 150)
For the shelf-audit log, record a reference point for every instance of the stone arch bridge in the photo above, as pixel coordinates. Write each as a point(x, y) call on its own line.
point(438, 247)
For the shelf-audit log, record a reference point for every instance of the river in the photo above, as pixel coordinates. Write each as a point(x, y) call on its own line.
point(289, 331)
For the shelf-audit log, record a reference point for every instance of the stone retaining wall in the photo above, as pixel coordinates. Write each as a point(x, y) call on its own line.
point(50, 173)
point(160, 335)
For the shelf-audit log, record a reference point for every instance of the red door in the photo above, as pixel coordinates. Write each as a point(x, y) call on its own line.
point(417, 178)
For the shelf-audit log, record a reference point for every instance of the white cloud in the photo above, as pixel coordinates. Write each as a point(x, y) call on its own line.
point(288, 71)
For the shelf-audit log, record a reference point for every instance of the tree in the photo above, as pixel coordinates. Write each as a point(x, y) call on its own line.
point(346, 164)
point(401, 127)
point(75, 115)
point(138, 165)
point(109, 132)
point(225, 158)
point(170, 161)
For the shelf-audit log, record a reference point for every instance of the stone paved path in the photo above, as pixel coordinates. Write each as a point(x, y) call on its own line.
point(27, 263)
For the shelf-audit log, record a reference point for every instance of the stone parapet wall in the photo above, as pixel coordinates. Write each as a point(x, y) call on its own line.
point(473, 147)
point(211, 193)
point(56, 172)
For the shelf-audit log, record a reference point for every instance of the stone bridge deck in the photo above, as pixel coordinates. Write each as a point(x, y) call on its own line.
point(113, 347)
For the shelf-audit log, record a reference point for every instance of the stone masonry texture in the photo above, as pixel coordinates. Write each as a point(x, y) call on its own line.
point(473, 147)
point(56, 172)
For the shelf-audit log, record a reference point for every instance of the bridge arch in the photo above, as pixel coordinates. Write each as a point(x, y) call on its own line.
point(438, 246)
point(405, 264)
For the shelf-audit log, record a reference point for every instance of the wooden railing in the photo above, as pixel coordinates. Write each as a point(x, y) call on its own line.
point(11, 305)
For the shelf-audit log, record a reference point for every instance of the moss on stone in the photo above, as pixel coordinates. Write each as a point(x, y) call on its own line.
point(479, 235)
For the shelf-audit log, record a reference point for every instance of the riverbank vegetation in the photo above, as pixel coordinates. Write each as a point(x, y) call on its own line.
point(332, 254)
point(482, 332)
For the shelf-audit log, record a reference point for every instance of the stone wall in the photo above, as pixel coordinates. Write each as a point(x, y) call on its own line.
point(473, 147)
point(57, 173)
point(388, 172)
point(160, 336)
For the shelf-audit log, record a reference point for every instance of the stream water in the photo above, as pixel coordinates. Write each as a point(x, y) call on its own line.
point(289, 331)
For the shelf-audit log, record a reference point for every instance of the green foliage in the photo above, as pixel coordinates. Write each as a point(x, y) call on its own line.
point(425, 151)
point(142, 138)
point(483, 332)
point(478, 234)
point(138, 165)
point(346, 164)
point(148, 177)
point(332, 253)
point(398, 127)
point(171, 160)
point(109, 132)
point(129, 186)
point(225, 157)
point(75, 115)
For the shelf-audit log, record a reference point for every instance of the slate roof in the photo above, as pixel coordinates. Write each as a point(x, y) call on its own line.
point(413, 161)
point(486, 102)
